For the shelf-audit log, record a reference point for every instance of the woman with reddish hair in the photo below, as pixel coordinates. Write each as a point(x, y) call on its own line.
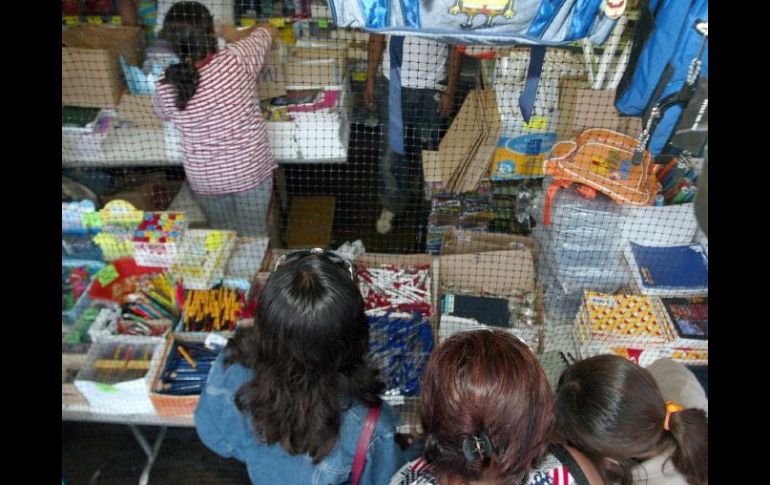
point(487, 411)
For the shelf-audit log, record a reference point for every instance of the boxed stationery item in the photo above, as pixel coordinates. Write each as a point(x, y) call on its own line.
point(119, 220)
point(200, 259)
point(157, 238)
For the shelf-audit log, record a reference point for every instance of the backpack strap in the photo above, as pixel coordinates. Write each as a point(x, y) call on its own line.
point(359, 460)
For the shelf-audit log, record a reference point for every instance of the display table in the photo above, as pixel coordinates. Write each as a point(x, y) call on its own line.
point(133, 421)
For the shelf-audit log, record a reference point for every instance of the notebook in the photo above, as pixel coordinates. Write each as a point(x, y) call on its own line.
point(669, 270)
point(689, 317)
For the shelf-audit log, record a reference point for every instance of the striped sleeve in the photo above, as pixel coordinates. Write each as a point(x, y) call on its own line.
point(252, 51)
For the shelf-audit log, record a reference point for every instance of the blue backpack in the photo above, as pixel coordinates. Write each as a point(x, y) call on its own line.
point(669, 62)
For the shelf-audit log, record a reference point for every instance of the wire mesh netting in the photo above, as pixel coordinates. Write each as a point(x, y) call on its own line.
point(473, 182)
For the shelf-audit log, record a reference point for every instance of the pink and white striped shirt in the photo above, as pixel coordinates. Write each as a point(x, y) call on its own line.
point(223, 134)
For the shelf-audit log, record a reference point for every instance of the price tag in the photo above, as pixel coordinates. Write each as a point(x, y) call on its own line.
point(92, 219)
point(214, 240)
point(117, 20)
point(107, 275)
point(95, 20)
point(537, 123)
point(248, 22)
point(279, 22)
point(71, 20)
point(106, 387)
point(323, 23)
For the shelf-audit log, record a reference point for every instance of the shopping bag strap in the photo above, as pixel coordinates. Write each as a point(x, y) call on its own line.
point(359, 460)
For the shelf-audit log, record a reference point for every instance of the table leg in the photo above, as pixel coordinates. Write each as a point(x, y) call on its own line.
point(151, 452)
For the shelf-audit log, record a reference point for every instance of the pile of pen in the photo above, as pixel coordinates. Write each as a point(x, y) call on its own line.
point(399, 346)
point(153, 307)
point(187, 368)
point(398, 307)
point(213, 310)
point(396, 288)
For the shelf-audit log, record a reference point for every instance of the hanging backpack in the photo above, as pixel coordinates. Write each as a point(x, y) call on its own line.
point(668, 65)
point(490, 22)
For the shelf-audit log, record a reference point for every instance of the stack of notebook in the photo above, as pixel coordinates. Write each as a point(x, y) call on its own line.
point(669, 271)
point(637, 327)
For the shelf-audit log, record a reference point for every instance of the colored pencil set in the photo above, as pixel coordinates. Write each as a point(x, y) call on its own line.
point(153, 308)
point(186, 370)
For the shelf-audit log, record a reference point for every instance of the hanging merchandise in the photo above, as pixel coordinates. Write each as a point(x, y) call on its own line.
point(668, 66)
point(490, 22)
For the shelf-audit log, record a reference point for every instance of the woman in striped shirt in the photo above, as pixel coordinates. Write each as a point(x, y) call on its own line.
point(212, 98)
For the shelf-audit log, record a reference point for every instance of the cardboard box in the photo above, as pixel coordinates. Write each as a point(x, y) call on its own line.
point(465, 242)
point(91, 78)
point(582, 108)
point(121, 40)
point(310, 222)
point(167, 404)
point(91, 74)
point(314, 73)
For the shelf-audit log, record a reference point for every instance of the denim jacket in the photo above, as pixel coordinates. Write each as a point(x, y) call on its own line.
point(229, 433)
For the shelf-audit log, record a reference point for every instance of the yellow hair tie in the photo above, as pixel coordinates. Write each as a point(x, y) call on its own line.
point(671, 408)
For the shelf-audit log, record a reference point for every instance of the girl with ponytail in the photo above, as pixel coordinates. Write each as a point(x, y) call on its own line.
point(636, 425)
point(212, 98)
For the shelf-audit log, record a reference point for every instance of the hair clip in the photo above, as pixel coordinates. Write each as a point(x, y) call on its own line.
point(477, 447)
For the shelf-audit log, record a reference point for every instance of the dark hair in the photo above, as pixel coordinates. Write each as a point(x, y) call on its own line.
point(485, 382)
point(612, 410)
point(307, 349)
point(189, 29)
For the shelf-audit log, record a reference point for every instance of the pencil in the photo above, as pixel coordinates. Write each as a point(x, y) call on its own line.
point(186, 356)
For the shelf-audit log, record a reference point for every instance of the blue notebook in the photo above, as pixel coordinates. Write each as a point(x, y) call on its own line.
point(680, 267)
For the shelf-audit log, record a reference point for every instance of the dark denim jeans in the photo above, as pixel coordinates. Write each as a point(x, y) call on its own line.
point(401, 176)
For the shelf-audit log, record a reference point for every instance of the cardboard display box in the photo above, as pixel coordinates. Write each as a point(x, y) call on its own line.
point(91, 74)
point(464, 242)
point(582, 108)
point(494, 273)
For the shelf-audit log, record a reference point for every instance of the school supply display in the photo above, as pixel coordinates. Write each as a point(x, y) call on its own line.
point(399, 346)
point(152, 308)
point(186, 370)
point(637, 327)
point(397, 299)
point(157, 238)
point(668, 270)
point(214, 310)
point(200, 259)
